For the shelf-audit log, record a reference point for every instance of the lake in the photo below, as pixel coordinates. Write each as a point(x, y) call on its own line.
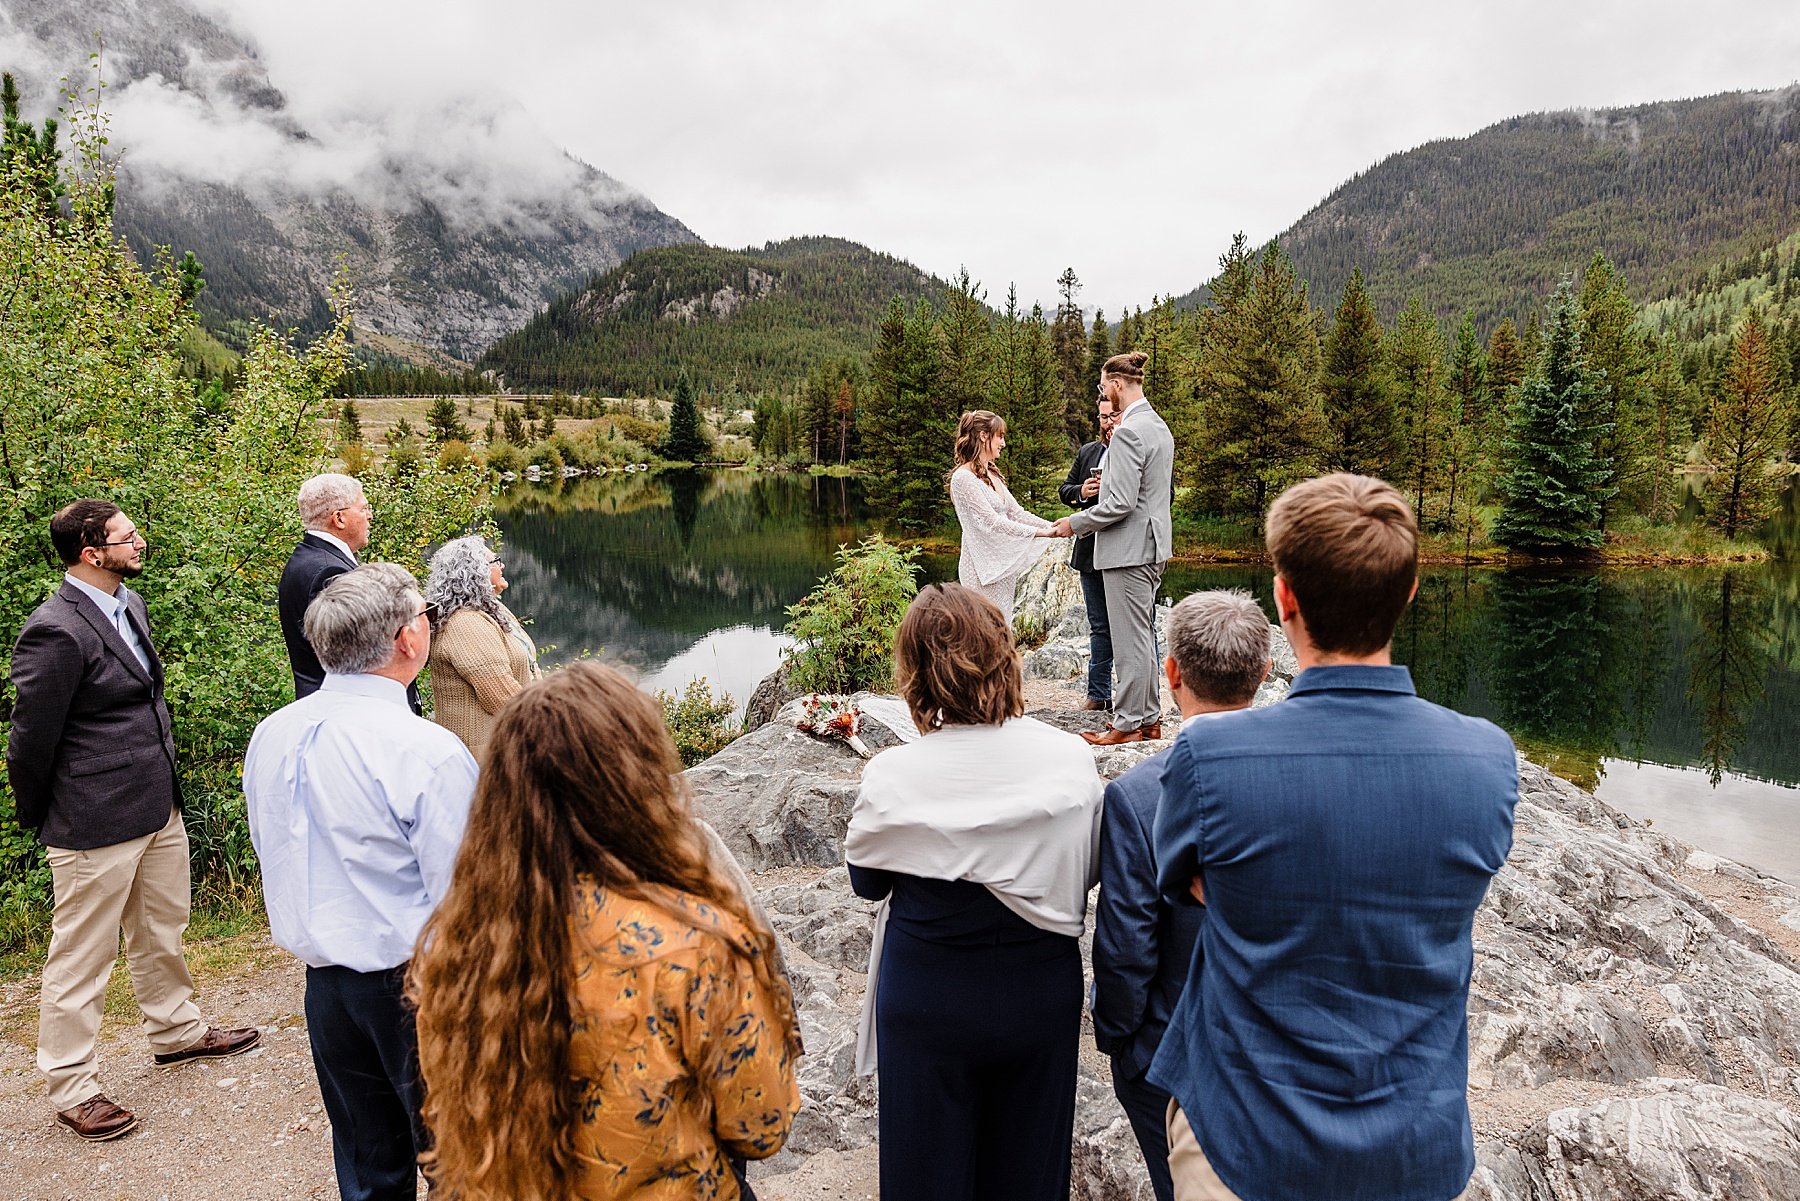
point(1672, 692)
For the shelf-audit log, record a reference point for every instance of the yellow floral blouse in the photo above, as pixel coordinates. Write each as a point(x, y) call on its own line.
point(663, 989)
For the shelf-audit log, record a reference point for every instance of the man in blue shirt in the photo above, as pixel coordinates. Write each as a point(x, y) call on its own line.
point(357, 808)
point(1143, 945)
point(1341, 841)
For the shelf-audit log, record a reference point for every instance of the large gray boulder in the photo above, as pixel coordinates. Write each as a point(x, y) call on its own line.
point(1634, 1021)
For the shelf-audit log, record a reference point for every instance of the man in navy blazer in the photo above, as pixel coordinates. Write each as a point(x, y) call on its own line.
point(336, 516)
point(1143, 944)
point(1341, 841)
point(91, 762)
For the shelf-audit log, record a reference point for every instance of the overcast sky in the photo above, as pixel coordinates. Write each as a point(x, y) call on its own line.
point(1128, 140)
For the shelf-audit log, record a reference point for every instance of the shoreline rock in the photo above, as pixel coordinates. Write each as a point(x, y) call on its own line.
point(1634, 1016)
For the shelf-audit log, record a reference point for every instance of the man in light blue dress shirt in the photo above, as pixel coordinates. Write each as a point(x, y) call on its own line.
point(357, 808)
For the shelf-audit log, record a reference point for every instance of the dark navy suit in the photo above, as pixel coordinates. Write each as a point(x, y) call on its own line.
point(314, 564)
point(1142, 948)
point(1345, 838)
point(1093, 590)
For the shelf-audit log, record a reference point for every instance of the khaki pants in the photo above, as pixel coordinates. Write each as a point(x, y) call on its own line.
point(1195, 1179)
point(141, 886)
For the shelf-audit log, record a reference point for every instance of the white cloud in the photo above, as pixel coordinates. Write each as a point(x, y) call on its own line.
point(1128, 140)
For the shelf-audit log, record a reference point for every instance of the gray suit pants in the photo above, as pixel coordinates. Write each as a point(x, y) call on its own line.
point(1131, 612)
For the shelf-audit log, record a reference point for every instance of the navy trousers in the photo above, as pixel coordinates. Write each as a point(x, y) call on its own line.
point(977, 1082)
point(1100, 655)
point(366, 1051)
point(1147, 1106)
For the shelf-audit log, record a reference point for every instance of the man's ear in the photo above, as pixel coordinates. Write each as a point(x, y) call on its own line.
point(1286, 607)
point(1268, 668)
point(1173, 672)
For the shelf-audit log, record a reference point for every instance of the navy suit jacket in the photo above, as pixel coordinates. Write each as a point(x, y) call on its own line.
point(1346, 837)
point(1143, 944)
point(314, 564)
point(1081, 555)
point(91, 754)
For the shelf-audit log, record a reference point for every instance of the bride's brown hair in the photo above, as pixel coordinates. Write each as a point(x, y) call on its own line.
point(581, 783)
point(972, 433)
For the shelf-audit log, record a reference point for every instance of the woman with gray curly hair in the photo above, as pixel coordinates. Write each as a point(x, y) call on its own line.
point(480, 654)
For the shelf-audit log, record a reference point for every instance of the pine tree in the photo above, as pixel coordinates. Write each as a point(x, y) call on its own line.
point(1415, 355)
point(1068, 339)
point(1466, 402)
point(1037, 441)
point(1668, 433)
point(1262, 422)
point(24, 148)
point(547, 427)
point(1099, 350)
point(908, 434)
point(966, 335)
point(349, 425)
point(445, 423)
point(1620, 356)
point(1550, 488)
point(513, 422)
point(685, 441)
point(1358, 400)
point(1746, 426)
point(1126, 341)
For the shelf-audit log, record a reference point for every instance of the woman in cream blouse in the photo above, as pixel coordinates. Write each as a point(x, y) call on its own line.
point(480, 654)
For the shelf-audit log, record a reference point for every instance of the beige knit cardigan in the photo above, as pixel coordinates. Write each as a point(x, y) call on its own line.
point(476, 667)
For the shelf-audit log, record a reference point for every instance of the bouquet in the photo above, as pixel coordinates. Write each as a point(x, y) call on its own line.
point(830, 716)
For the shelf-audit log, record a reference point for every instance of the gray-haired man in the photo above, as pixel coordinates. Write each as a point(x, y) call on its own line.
point(357, 809)
point(1218, 655)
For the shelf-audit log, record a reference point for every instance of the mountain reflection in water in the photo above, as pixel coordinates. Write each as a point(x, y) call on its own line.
point(1695, 671)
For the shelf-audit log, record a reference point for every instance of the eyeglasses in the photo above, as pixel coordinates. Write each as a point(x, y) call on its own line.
point(136, 537)
point(429, 612)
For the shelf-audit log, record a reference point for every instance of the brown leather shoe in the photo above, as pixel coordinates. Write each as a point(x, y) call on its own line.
point(1148, 732)
point(214, 1044)
point(1093, 706)
point(97, 1119)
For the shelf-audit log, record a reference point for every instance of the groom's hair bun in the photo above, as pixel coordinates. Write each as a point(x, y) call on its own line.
point(1129, 365)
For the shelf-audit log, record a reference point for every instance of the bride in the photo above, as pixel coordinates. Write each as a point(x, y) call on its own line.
point(1001, 540)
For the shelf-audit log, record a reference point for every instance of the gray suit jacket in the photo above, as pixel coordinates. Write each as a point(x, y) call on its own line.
point(1130, 523)
point(91, 756)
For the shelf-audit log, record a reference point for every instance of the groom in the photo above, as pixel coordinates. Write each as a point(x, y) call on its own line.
point(1130, 525)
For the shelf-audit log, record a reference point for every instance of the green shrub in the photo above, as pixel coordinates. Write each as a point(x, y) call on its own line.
point(97, 405)
point(844, 628)
point(504, 456)
point(640, 430)
point(701, 724)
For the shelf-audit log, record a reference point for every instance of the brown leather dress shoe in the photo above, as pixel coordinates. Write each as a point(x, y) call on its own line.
point(214, 1044)
point(1093, 706)
point(97, 1119)
point(1148, 732)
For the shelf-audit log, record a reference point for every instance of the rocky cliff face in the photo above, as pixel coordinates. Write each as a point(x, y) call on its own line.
point(1634, 1020)
point(454, 222)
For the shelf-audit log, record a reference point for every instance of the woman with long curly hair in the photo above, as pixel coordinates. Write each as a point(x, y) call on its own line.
point(480, 654)
point(601, 1012)
point(1000, 537)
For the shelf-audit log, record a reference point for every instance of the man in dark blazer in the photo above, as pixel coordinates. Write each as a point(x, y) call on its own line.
point(1218, 655)
point(336, 516)
point(1082, 491)
point(91, 760)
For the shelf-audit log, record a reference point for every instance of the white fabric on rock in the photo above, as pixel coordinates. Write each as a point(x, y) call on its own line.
point(1014, 807)
point(999, 542)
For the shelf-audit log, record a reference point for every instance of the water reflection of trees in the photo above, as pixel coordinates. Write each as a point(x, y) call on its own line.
point(1729, 663)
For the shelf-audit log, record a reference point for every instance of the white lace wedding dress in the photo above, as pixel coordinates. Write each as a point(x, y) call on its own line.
point(999, 542)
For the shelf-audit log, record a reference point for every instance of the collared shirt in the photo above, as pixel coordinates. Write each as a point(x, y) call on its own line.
point(1345, 837)
point(357, 808)
point(1142, 400)
point(335, 541)
point(113, 606)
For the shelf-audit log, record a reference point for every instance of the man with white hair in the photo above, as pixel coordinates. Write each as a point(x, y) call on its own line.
point(336, 516)
point(1218, 656)
point(357, 809)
